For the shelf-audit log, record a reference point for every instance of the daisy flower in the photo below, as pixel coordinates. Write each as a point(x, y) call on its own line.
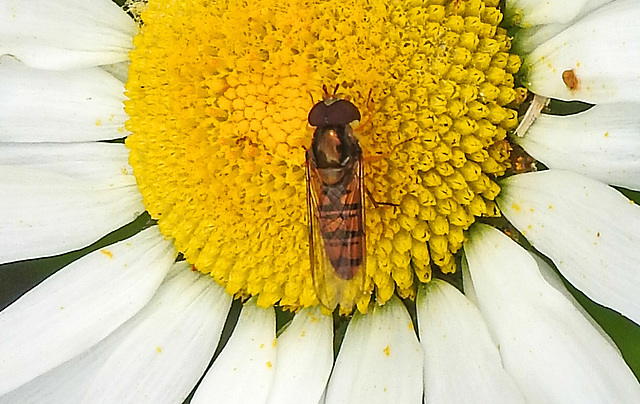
point(196, 113)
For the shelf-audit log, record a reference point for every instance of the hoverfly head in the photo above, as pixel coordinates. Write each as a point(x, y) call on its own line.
point(338, 112)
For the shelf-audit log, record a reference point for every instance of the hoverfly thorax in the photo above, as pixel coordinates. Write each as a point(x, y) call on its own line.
point(333, 148)
point(335, 197)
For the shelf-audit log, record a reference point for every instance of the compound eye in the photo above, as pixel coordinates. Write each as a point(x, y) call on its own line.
point(318, 114)
point(342, 112)
point(338, 113)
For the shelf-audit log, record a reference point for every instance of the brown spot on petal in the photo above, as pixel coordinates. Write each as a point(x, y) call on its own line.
point(570, 79)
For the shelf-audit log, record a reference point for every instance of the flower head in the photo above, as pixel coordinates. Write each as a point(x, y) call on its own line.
point(221, 163)
point(218, 97)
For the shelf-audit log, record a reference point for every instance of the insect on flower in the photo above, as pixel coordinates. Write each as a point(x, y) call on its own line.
point(335, 197)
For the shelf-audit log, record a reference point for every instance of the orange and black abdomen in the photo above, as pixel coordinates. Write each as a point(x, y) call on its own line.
point(341, 225)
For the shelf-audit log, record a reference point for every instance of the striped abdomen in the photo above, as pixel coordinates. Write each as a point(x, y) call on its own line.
point(341, 226)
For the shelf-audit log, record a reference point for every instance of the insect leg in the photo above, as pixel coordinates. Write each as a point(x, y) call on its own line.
point(375, 203)
point(377, 157)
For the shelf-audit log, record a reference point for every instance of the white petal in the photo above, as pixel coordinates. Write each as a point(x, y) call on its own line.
point(553, 279)
point(469, 291)
point(597, 56)
point(50, 106)
point(48, 207)
point(549, 348)
point(527, 39)
point(106, 165)
point(531, 13)
point(527, 13)
point(243, 373)
point(305, 358)
point(69, 382)
point(602, 143)
point(589, 230)
point(79, 305)
point(65, 34)
point(380, 360)
point(458, 351)
point(591, 5)
point(162, 358)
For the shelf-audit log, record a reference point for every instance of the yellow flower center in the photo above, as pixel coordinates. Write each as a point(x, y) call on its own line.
point(219, 97)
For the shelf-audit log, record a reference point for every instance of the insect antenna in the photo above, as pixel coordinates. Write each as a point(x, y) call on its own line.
point(366, 105)
point(325, 91)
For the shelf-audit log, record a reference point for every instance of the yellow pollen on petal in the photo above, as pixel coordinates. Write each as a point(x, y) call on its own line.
point(219, 94)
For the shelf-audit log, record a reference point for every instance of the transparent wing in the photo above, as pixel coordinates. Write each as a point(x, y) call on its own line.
point(336, 235)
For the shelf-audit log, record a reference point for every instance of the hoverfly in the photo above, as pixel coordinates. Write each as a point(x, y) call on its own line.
point(335, 197)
